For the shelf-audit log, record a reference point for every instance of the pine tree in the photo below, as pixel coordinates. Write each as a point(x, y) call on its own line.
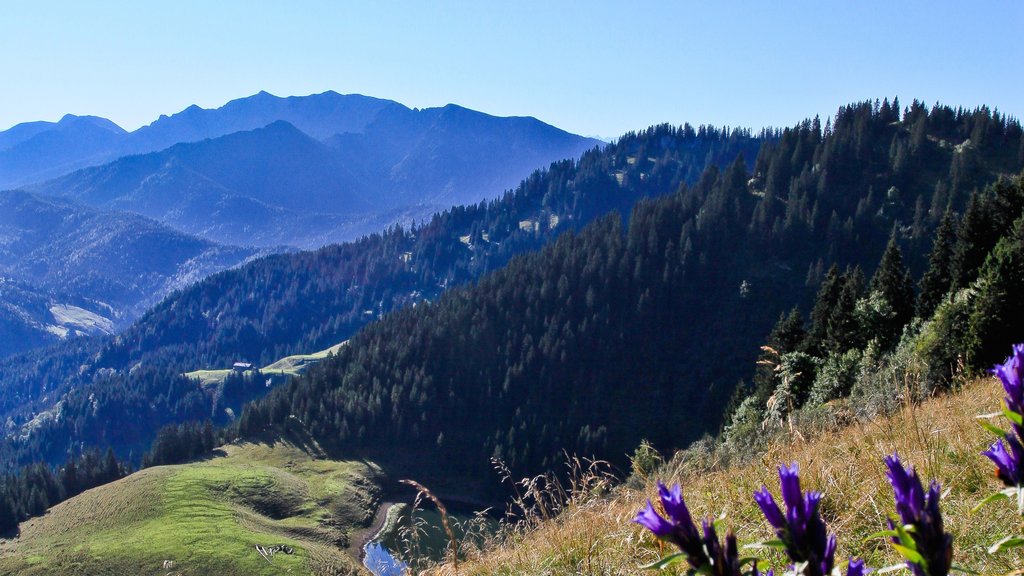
point(995, 321)
point(843, 331)
point(936, 281)
point(825, 303)
point(788, 332)
point(892, 280)
point(974, 241)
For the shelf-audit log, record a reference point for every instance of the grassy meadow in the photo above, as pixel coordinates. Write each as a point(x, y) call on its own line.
point(207, 517)
point(280, 369)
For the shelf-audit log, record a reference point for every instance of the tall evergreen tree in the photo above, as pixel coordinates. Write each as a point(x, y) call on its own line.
point(974, 240)
point(843, 326)
point(937, 279)
point(892, 280)
point(824, 304)
point(995, 321)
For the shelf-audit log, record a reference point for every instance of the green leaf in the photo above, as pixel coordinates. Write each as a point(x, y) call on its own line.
point(762, 545)
point(665, 562)
point(994, 429)
point(1006, 544)
point(990, 499)
point(882, 534)
point(959, 568)
point(1013, 417)
point(904, 532)
point(910, 554)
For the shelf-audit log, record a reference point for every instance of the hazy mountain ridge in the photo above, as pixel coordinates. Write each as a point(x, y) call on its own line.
point(270, 186)
point(28, 150)
point(41, 150)
point(277, 184)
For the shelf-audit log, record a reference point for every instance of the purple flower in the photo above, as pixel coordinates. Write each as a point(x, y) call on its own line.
point(702, 552)
point(920, 510)
point(1011, 373)
point(801, 528)
point(1009, 464)
point(856, 568)
point(725, 560)
point(678, 528)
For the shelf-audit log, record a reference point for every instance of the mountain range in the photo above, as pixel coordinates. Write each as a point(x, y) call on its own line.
point(298, 171)
point(111, 221)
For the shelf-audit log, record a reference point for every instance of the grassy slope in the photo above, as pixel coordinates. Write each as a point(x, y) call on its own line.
point(941, 438)
point(207, 517)
point(285, 367)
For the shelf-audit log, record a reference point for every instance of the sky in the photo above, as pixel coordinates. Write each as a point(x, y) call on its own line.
point(591, 67)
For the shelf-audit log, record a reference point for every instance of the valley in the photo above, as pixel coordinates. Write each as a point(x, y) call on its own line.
point(609, 302)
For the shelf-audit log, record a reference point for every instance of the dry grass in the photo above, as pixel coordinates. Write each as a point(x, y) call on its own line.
point(941, 437)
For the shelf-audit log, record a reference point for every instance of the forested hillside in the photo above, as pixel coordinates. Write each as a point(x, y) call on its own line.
point(67, 269)
point(620, 333)
point(117, 391)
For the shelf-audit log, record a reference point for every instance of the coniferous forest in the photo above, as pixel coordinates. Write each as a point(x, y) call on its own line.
point(646, 328)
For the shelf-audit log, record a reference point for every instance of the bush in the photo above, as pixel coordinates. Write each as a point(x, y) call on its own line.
point(835, 377)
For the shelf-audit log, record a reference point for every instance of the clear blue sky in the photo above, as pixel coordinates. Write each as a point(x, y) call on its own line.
point(591, 67)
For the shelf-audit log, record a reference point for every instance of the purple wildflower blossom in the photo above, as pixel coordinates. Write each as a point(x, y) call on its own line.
point(1011, 373)
point(801, 528)
point(856, 568)
point(920, 510)
point(725, 560)
point(1009, 463)
point(678, 528)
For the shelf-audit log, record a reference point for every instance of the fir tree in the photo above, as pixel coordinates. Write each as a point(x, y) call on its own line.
point(843, 330)
point(936, 281)
point(998, 308)
point(974, 240)
point(892, 280)
point(824, 304)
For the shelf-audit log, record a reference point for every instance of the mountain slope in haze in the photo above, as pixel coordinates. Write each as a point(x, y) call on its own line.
point(453, 155)
point(41, 150)
point(270, 186)
point(289, 304)
point(277, 184)
point(108, 264)
point(31, 317)
point(36, 151)
point(318, 115)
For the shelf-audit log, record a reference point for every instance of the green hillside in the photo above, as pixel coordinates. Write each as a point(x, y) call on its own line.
point(278, 370)
point(208, 517)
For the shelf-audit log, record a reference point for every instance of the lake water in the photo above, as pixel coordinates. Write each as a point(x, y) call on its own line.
point(432, 542)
